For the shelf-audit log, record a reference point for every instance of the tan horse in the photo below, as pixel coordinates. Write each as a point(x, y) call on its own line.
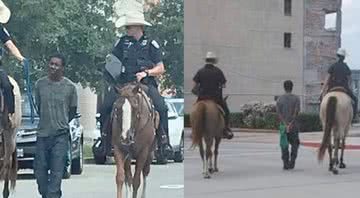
point(134, 122)
point(336, 114)
point(8, 163)
point(208, 124)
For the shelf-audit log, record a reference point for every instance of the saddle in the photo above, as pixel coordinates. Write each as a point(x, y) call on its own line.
point(338, 89)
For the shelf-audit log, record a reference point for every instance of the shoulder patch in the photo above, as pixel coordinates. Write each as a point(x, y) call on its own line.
point(155, 44)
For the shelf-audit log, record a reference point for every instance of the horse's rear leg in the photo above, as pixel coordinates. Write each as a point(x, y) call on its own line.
point(208, 161)
point(342, 164)
point(216, 153)
point(120, 172)
point(336, 156)
point(330, 156)
point(202, 155)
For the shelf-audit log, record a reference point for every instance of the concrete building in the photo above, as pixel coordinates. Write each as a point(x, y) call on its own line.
point(261, 43)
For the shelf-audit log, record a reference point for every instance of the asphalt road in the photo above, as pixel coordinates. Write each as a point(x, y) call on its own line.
point(250, 166)
point(98, 181)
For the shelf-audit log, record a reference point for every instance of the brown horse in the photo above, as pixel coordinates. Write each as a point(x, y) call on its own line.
point(207, 123)
point(336, 114)
point(8, 163)
point(134, 122)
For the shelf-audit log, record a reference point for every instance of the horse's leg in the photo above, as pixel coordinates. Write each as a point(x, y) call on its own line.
point(6, 191)
point(120, 172)
point(216, 153)
point(203, 152)
point(342, 164)
point(128, 178)
point(9, 148)
point(330, 156)
point(146, 171)
point(210, 157)
point(140, 163)
point(202, 155)
point(208, 154)
point(336, 155)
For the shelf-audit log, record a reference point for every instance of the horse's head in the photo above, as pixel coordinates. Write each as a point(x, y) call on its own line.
point(127, 110)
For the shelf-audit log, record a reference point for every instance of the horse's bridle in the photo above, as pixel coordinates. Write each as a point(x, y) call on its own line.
point(140, 96)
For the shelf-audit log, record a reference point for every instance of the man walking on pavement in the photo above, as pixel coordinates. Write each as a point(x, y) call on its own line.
point(288, 108)
point(57, 101)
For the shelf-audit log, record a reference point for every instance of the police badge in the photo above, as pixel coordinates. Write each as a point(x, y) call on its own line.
point(155, 44)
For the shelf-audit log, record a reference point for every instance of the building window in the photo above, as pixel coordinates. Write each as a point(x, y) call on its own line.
point(330, 21)
point(287, 7)
point(287, 40)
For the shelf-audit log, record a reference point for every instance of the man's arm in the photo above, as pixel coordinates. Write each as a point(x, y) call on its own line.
point(73, 104)
point(158, 70)
point(14, 50)
point(279, 112)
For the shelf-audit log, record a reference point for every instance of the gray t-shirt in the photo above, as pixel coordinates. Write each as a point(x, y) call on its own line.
point(54, 100)
point(286, 105)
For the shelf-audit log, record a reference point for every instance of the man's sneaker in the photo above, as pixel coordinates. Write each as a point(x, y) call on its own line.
point(227, 133)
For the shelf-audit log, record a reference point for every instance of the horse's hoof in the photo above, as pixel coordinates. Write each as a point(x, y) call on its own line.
point(330, 168)
point(211, 170)
point(342, 165)
point(216, 170)
point(335, 172)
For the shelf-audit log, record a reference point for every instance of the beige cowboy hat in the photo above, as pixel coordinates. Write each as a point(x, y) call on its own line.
point(129, 12)
point(210, 55)
point(4, 13)
point(342, 52)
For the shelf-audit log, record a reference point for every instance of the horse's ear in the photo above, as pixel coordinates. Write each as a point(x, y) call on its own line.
point(226, 97)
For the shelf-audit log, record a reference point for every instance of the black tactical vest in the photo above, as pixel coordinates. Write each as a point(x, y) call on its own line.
point(135, 57)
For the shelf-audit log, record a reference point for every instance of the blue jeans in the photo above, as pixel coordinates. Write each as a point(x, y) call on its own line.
point(51, 154)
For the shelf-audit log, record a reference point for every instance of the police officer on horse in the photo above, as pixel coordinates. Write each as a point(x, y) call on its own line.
point(136, 57)
point(339, 75)
point(7, 88)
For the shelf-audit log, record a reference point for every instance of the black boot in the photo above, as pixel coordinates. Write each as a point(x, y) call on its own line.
point(227, 133)
point(292, 164)
point(286, 165)
point(165, 144)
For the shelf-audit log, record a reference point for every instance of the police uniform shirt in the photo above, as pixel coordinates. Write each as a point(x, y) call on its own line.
point(211, 79)
point(339, 73)
point(136, 56)
point(131, 43)
point(4, 35)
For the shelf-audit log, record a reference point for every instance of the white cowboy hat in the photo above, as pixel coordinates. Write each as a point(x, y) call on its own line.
point(4, 13)
point(210, 55)
point(129, 12)
point(342, 52)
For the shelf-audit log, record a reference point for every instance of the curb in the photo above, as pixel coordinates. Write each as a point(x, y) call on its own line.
point(317, 145)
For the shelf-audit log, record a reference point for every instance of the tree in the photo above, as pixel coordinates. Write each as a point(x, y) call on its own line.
point(83, 31)
point(167, 18)
point(80, 30)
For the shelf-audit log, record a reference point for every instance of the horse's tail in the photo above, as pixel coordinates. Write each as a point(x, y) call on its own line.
point(330, 118)
point(198, 123)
